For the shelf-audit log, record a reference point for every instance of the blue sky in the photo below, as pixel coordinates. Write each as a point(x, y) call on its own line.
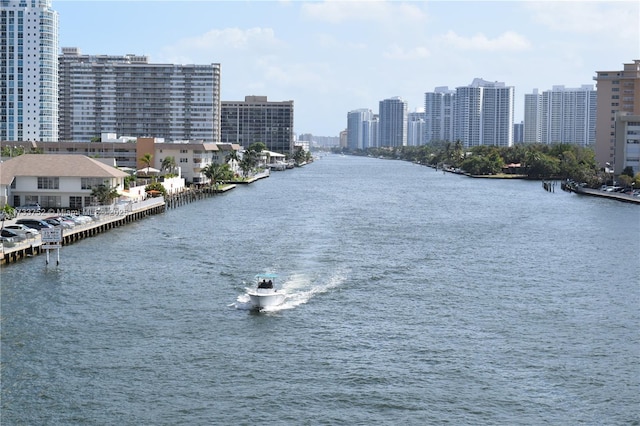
point(331, 57)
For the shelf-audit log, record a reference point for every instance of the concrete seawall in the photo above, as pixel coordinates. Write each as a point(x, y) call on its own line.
point(618, 196)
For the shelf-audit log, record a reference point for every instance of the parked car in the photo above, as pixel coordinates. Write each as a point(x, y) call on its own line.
point(31, 207)
point(56, 222)
point(9, 233)
point(65, 223)
point(34, 223)
point(23, 229)
point(78, 219)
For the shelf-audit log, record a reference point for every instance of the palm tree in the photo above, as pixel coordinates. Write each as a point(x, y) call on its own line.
point(104, 194)
point(146, 159)
point(248, 162)
point(232, 160)
point(169, 164)
point(214, 173)
point(232, 156)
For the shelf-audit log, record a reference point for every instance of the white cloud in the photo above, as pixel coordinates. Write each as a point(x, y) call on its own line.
point(618, 18)
point(400, 53)
point(336, 11)
point(508, 41)
point(214, 42)
point(328, 41)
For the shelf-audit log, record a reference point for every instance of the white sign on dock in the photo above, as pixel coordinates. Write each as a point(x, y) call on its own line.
point(51, 239)
point(51, 235)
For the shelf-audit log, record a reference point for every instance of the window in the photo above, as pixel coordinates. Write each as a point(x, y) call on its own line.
point(75, 203)
point(90, 183)
point(48, 182)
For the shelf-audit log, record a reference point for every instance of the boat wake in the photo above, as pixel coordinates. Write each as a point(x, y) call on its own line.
point(298, 290)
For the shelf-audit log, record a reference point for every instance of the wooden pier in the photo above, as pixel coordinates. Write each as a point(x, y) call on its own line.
point(102, 223)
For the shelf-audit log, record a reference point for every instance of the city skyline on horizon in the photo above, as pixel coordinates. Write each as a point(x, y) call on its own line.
point(333, 57)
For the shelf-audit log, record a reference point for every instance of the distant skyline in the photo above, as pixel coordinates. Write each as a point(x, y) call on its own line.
point(332, 57)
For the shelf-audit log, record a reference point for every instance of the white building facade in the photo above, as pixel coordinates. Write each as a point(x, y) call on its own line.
point(568, 115)
point(532, 112)
point(439, 108)
point(28, 71)
point(484, 114)
point(561, 115)
point(416, 128)
point(358, 122)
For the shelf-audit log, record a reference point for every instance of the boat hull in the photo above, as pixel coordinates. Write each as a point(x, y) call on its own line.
point(263, 299)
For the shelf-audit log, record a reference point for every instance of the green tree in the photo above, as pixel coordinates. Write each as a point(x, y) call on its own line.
point(169, 164)
point(458, 153)
point(146, 159)
point(249, 161)
point(8, 212)
point(156, 186)
point(299, 156)
point(257, 147)
point(12, 151)
point(104, 194)
point(540, 165)
point(216, 173)
point(231, 156)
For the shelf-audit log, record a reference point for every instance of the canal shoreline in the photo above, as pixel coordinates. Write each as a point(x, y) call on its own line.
point(106, 220)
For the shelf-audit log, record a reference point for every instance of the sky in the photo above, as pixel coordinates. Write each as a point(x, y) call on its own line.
point(332, 57)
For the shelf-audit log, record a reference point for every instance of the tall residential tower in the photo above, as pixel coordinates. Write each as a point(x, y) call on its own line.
point(28, 71)
point(358, 122)
point(393, 122)
point(484, 114)
point(129, 96)
point(438, 109)
point(618, 95)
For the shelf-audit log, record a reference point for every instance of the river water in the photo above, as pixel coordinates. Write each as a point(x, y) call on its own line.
point(414, 297)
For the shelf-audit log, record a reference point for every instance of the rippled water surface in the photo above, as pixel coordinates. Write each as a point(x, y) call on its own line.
point(413, 297)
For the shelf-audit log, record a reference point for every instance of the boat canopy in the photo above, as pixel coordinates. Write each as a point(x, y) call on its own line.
point(266, 276)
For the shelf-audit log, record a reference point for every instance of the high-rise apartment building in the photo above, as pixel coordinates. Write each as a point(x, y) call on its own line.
point(358, 122)
point(483, 114)
point(258, 120)
point(28, 71)
point(438, 109)
point(568, 115)
point(518, 132)
point(370, 132)
point(392, 122)
point(618, 94)
point(532, 112)
point(416, 128)
point(129, 96)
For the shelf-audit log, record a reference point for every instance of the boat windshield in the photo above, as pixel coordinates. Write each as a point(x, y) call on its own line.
point(266, 280)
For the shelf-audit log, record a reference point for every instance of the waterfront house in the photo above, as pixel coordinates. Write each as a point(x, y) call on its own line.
point(55, 180)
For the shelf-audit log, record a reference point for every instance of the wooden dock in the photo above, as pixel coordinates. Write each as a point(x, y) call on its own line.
point(102, 223)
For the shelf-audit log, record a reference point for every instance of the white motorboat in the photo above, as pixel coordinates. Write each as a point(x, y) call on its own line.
point(265, 294)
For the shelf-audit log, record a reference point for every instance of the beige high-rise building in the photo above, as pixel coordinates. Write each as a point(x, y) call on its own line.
point(618, 93)
point(258, 120)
